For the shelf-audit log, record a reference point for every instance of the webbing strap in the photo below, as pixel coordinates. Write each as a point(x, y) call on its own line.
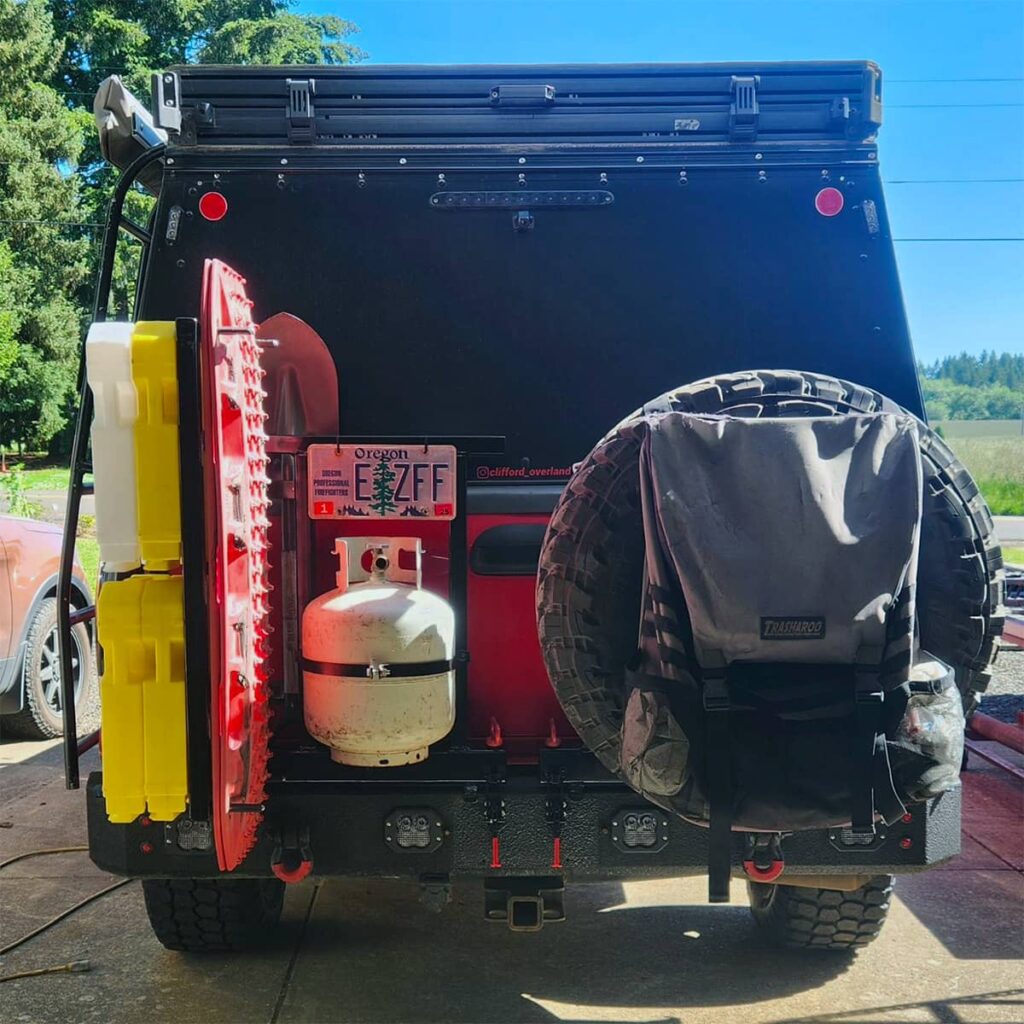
point(887, 800)
point(720, 785)
point(869, 699)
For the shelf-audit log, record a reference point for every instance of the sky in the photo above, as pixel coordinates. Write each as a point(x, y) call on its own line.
point(953, 98)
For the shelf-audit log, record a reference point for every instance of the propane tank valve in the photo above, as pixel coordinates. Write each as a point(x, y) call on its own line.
point(379, 560)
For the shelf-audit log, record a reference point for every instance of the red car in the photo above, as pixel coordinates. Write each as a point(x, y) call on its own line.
point(30, 699)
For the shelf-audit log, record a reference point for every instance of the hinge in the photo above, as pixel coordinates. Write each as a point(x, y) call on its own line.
point(300, 113)
point(167, 101)
point(744, 110)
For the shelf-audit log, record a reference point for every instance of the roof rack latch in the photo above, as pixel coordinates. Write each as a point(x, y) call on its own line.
point(744, 110)
point(300, 113)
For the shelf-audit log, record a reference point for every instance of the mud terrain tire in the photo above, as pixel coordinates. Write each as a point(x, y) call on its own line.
point(821, 918)
point(213, 915)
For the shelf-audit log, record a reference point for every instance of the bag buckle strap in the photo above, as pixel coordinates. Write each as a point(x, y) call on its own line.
point(869, 698)
point(715, 694)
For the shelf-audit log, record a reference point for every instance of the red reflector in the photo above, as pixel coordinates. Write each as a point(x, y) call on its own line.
point(213, 206)
point(556, 853)
point(828, 202)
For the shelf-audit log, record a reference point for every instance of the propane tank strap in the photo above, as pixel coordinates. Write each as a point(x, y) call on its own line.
point(401, 670)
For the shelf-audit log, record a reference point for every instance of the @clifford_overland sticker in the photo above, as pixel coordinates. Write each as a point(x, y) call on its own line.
point(355, 481)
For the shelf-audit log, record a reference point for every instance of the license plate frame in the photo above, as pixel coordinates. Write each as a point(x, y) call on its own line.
point(377, 482)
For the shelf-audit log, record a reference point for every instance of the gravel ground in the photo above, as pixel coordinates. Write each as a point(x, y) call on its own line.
point(1003, 706)
point(1008, 671)
point(1005, 696)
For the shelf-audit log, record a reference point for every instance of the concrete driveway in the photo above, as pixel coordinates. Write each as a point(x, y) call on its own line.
point(1010, 530)
point(648, 952)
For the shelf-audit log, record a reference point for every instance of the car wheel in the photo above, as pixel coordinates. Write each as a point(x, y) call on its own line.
point(40, 717)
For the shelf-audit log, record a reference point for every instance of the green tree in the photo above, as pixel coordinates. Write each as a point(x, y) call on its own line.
point(43, 246)
point(133, 38)
point(54, 188)
point(1006, 369)
point(383, 493)
point(947, 400)
point(283, 38)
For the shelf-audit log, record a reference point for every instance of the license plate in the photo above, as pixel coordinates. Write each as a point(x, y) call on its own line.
point(353, 481)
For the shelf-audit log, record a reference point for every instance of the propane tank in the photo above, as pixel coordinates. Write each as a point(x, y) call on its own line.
point(377, 658)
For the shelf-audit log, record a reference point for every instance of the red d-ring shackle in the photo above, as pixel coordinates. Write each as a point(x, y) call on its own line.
point(292, 875)
point(768, 874)
point(292, 847)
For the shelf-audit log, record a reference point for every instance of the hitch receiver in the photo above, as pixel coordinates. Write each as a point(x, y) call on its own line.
point(524, 904)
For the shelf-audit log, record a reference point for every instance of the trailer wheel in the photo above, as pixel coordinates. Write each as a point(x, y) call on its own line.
point(589, 577)
point(821, 918)
point(213, 915)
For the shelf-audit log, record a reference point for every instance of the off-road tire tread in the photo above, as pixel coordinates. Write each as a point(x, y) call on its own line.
point(213, 915)
point(822, 918)
point(589, 570)
point(32, 721)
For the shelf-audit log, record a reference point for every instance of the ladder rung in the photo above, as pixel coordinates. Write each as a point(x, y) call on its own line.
point(88, 742)
point(83, 614)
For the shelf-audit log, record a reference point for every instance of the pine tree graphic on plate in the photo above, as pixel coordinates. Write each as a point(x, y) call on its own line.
point(383, 494)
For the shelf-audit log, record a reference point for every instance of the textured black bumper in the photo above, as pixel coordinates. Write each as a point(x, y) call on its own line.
point(352, 833)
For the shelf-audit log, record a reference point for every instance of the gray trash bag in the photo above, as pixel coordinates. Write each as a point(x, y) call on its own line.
point(927, 748)
point(654, 750)
point(655, 754)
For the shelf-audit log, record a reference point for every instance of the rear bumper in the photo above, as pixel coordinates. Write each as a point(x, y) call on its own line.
point(352, 833)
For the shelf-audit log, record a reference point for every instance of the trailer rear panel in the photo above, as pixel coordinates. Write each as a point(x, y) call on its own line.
point(534, 252)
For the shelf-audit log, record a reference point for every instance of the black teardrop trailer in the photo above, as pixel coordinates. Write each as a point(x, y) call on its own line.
point(373, 281)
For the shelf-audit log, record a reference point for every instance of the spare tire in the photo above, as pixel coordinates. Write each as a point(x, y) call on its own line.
point(591, 564)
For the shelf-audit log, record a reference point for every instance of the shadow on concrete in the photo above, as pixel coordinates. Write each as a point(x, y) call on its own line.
point(955, 1010)
point(606, 955)
point(976, 915)
point(973, 903)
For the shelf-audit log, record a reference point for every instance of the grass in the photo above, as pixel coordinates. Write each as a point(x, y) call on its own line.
point(1004, 497)
point(1013, 556)
point(997, 465)
point(47, 478)
point(953, 430)
point(88, 550)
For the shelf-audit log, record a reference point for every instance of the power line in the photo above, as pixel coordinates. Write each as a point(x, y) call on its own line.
point(1008, 238)
point(948, 181)
point(891, 81)
point(946, 106)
